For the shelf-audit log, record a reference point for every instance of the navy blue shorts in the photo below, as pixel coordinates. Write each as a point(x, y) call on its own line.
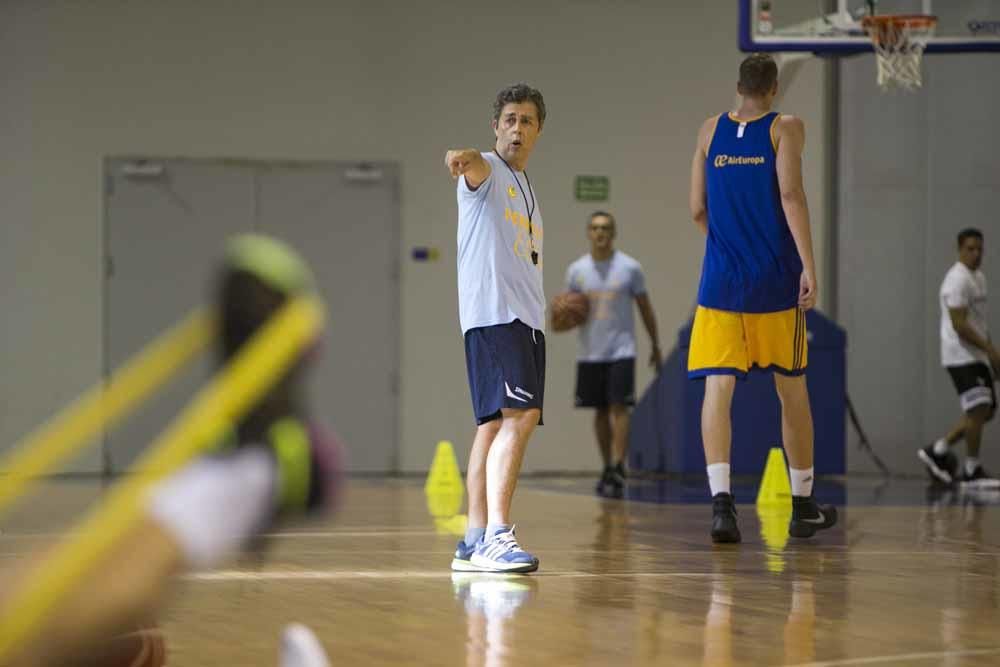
point(506, 365)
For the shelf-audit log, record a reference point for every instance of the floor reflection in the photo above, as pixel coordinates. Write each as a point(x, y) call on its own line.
point(491, 602)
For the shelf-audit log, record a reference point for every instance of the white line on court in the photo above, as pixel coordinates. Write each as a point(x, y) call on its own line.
point(309, 534)
point(902, 656)
point(353, 533)
point(291, 575)
point(829, 549)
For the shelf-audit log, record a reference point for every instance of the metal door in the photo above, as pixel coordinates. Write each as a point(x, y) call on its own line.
point(166, 222)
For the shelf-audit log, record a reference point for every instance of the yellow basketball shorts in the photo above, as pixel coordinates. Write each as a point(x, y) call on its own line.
point(729, 343)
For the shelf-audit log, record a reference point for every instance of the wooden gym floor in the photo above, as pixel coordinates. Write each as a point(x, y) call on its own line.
point(907, 578)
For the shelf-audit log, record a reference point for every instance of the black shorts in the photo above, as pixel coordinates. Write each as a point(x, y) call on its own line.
point(506, 367)
point(974, 383)
point(603, 383)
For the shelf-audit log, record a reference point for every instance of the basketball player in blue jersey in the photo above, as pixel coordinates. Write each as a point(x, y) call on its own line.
point(758, 279)
point(502, 312)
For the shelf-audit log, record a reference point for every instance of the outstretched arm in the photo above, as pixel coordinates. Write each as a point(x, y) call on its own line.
point(790, 133)
point(468, 162)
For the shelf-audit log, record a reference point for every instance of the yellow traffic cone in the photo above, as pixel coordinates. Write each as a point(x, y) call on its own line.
point(453, 525)
point(774, 531)
point(444, 487)
point(775, 489)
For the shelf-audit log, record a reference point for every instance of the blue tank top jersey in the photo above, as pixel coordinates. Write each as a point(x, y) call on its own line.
point(751, 264)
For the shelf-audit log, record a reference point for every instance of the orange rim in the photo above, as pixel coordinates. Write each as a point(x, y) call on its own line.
point(888, 28)
point(900, 21)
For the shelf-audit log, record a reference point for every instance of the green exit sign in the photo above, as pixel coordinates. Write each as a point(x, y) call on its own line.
point(592, 188)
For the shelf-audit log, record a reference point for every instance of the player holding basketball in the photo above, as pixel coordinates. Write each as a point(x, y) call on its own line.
point(605, 370)
point(758, 279)
point(969, 355)
point(502, 312)
point(279, 464)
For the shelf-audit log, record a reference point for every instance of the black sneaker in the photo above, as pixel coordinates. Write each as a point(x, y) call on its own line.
point(724, 528)
point(616, 481)
point(941, 467)
point(979, 478)
point(612, 483)
point(808, 516)
point(602, 483)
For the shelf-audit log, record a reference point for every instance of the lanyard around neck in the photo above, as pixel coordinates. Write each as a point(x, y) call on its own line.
point(530, 207)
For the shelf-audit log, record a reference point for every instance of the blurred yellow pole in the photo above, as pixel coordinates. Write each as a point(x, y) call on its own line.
point(212, 412)
point(103, 405)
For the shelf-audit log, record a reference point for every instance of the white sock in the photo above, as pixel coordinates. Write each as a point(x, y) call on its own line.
point(941, 447)
point(215, 504)
point(301, 648)
point(718, 478)
point(971, 463)
point(802, 482)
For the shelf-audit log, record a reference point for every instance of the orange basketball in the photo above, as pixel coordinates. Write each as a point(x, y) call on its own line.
point(569, 309)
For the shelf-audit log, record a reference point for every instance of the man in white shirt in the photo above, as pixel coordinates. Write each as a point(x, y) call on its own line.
point(972, 361)
point(605, 371)
point(502, 313)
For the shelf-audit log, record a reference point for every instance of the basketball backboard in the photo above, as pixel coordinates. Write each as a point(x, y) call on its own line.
point(834, 27)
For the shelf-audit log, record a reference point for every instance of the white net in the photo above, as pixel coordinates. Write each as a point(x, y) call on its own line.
point(899, 43)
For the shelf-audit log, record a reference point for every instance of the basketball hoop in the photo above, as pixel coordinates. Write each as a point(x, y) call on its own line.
point(899, 41)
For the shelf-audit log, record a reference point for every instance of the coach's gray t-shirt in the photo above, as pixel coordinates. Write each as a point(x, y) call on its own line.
point(497, 282)
point(611, 285)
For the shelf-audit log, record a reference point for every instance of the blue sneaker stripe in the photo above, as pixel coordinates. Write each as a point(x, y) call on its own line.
point(503, 552)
